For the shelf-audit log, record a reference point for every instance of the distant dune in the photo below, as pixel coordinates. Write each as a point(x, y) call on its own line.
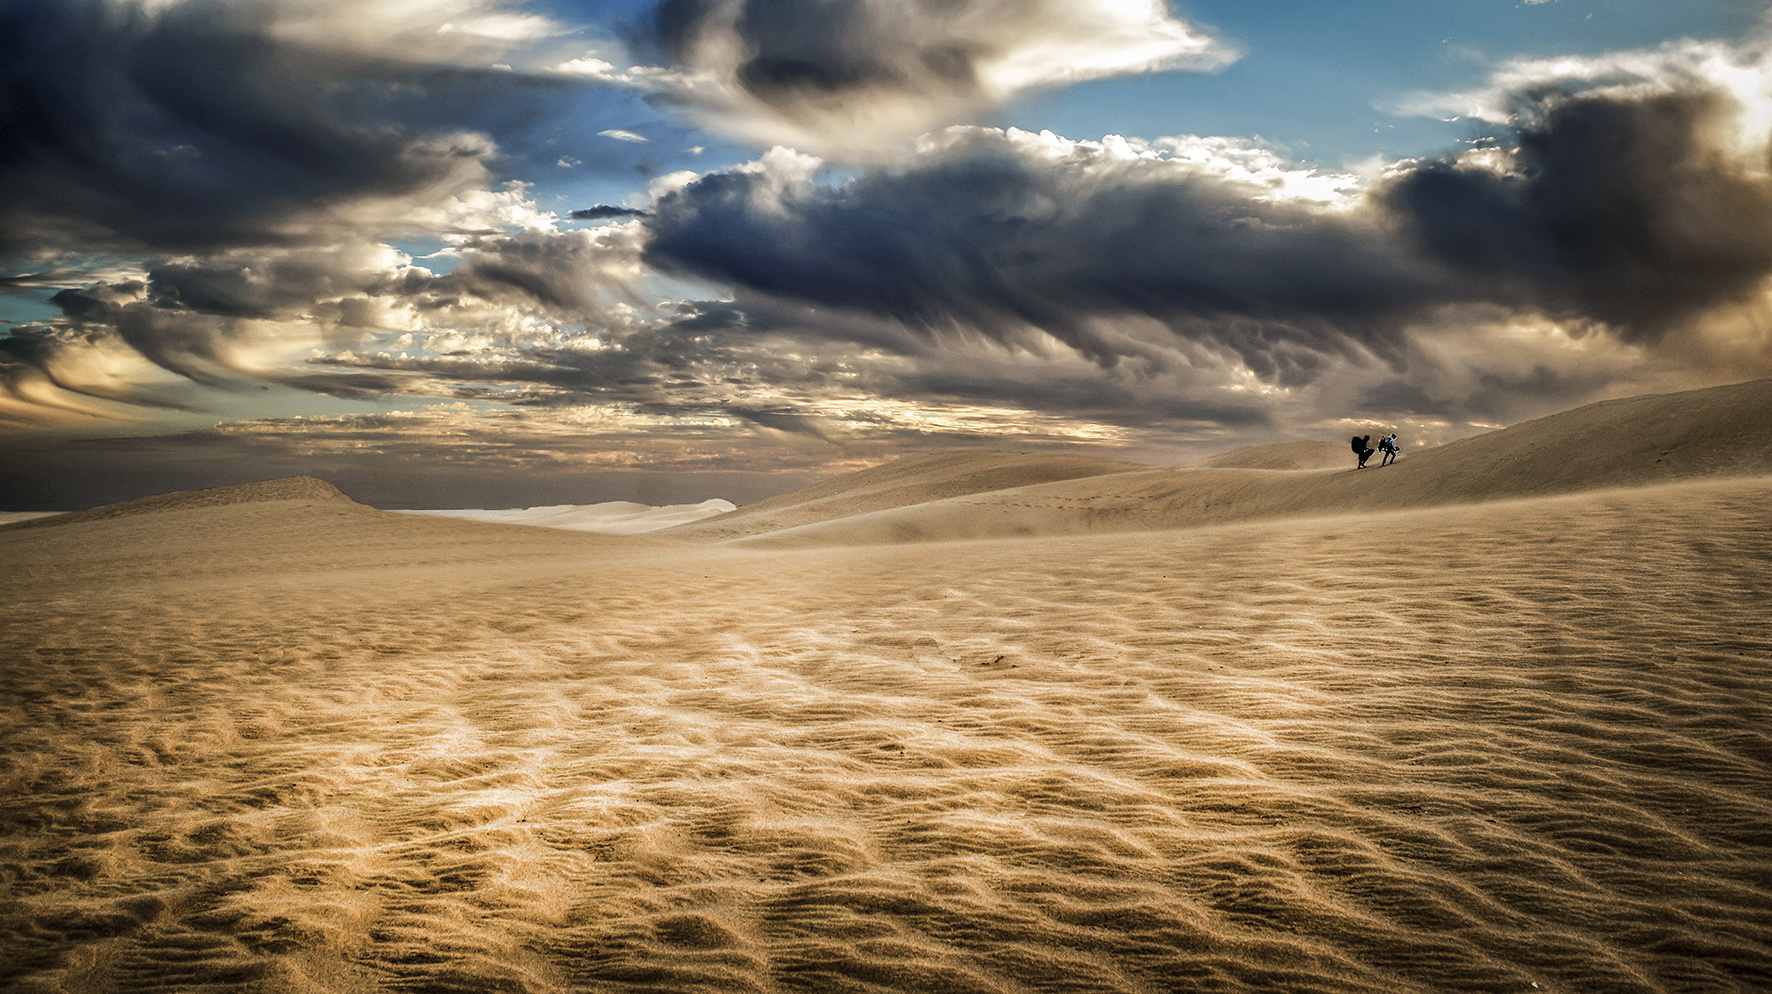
point(905, 483)
point(12, 517)
point(1718, 432)
point(610, 517)
point(1495, 719)
point(302, 488)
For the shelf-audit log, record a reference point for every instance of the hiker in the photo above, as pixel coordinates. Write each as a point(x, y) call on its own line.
point(1388, 445)
point(1362, 450)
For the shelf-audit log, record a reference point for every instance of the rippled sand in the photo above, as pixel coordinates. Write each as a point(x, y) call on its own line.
point(298, 745)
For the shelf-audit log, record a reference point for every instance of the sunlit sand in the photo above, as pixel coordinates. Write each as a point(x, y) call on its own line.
point(610, 518)
point(1495, 718)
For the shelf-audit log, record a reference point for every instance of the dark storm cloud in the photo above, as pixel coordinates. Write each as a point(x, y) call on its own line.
point(1622, 211)
point(997, 237)
point(196, 315)
point(1618, 210)
point(191, 316)
point(1492, 397)
point(782, 421)
point(189, 128)
point(602, 211)
point(792, 50)
point(194, 346)
point(1106, 400)
point(825, 352)
point(563, 272)
point(863, 74)
point(37, 352)
point(256, 286)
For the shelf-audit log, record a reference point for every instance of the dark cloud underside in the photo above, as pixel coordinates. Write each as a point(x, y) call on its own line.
point(190, 129)
point(604, 211)
point(1617, 211)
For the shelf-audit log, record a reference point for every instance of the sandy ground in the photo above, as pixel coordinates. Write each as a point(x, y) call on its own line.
point(272, 740)
point(609, 518)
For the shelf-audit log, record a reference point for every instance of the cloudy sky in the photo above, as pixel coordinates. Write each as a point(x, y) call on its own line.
point(503, 253)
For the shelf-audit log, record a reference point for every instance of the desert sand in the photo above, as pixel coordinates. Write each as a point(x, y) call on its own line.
point(610, 517)
point(1495, 718)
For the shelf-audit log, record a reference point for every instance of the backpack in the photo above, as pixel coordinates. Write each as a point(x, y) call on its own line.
point(1359, 444)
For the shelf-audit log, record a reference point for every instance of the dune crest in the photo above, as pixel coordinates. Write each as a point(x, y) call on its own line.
point(1717, 432)
point(610, 517)
point(902, 483)
point(306, 488)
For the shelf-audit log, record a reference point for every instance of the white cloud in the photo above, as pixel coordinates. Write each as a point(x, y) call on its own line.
point(452, 32)
point(587, 66)
point(623, 136)
point(1744, 71)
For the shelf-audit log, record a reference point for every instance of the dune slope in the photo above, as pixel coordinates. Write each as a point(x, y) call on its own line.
point(902, 483)
point(609, 517)
point(300, 747)
point(1717, 432)
point(294, 488)
point(1280, 455)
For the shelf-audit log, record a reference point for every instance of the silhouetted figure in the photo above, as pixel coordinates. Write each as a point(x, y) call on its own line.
point(1388, 445)
point(1362, 450)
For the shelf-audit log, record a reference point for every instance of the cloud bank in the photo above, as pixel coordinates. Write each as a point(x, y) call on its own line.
point(1622, 212)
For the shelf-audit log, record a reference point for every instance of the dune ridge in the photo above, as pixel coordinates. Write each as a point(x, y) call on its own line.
point(905, 482)
point(610, 517)
point(1716, 432)
point(9, 517)
point(298, 488)
point(294, 746)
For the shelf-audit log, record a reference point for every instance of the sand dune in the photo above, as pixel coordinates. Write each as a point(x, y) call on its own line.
point(267, 739)
point(905, 483)
point(610, 517)
point(297, 488)
point(1719, 432)
point(10, 517)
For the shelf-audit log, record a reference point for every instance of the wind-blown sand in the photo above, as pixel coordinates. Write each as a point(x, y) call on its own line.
point(268, 739)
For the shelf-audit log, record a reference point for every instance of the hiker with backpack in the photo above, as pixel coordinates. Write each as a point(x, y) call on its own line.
point(1362, 450)
point(1388, 445)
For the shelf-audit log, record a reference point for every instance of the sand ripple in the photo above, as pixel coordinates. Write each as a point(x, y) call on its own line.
point(1521, 747)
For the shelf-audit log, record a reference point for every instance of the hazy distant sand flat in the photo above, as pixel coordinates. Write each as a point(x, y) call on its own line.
point(9, 517)
point(610, 518)
point(300, 745)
